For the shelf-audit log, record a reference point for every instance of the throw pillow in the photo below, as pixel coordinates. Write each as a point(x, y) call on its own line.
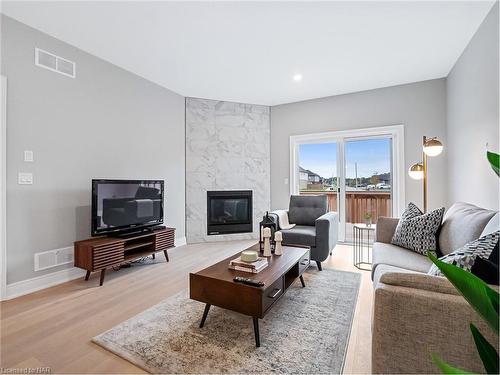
point(476, 257)
point(417, 231)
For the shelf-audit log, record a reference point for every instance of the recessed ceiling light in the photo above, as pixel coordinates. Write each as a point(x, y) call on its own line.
point(297, 77)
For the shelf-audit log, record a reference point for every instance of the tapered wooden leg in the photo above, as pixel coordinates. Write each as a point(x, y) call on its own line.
point(87, 276)
point(101, 281)
point(256, 331)
point(302, 281)
point(204, 317)
point(154, 255)
point(166, 254)
point(318, 263)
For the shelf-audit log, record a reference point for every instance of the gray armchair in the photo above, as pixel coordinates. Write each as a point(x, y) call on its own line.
point(314, 226)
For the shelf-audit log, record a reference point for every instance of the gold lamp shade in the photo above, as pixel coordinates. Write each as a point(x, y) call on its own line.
point(432, 147)
point(416, 171)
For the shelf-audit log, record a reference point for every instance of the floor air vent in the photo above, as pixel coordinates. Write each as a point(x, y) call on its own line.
point(55, 63)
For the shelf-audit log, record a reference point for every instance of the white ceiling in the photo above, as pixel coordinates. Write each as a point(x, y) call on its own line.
point(249, 51)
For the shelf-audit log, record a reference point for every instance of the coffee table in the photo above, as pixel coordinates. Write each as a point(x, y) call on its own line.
point(215, 286)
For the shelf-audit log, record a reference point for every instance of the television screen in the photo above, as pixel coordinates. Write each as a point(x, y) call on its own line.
point(122, 205)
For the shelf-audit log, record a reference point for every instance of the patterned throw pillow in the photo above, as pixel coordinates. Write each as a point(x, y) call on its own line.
point(417, 231)
point(467, 256)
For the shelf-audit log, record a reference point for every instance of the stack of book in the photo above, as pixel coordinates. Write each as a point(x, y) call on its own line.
point(252, 267)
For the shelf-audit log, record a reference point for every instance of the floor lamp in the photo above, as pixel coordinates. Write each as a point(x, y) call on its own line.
point(418, 171)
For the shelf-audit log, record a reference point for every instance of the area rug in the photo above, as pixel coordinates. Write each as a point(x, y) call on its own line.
point(307, 331)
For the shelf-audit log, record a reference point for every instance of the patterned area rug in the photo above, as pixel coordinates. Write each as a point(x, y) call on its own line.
point(307, 331)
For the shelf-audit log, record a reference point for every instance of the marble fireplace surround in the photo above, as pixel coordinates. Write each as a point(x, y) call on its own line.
point(227, 148)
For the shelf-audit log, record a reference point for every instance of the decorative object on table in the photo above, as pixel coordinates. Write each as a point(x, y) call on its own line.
point(417, 230)
point(267, 241)
point(269, 223)
point(363, 246)
point(249, 255)
point(418, 171)
point(368, 219)
point(256, 266)
point(278, 249)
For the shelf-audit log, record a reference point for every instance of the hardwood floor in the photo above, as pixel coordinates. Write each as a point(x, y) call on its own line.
point(52, 328)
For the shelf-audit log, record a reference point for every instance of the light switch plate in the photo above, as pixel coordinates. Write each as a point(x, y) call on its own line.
point(286, 181)
point(25, 178)
point(28, 155)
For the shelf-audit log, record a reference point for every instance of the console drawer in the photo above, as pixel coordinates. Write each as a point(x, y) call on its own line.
point(272, 293)
point(304, 262)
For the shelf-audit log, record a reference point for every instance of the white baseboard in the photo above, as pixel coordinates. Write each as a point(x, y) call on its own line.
point(180, 241)
point(28, 286)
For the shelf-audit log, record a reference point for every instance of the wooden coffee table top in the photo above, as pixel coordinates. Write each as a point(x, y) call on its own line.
point(277, 266)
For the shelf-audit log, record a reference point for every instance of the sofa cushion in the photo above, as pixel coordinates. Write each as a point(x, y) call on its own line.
point(465, 257)
point(492, 226)
point(418, 231)
point(305, 209)
point(462, 223)
point(300, 235)
point(392, 255)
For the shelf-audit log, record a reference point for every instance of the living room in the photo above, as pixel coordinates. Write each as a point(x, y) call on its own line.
point(172, 169)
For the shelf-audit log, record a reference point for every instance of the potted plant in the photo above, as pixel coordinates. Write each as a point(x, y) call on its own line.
point(368, 219)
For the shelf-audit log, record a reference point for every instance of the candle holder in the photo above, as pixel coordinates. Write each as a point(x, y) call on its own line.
point(267, 222)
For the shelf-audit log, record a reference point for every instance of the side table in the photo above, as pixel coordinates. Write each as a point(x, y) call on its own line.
point(362, 245)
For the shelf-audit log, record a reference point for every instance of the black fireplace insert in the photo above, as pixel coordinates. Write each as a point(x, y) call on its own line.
point(229, 211)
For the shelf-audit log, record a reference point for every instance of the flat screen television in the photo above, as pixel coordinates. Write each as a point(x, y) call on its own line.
point(120, 206)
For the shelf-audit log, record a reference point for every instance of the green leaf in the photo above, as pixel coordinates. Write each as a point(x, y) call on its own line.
point(494, 298)
point(446, 368)
point(479, 295)
point(486, 351)
point(494, 160)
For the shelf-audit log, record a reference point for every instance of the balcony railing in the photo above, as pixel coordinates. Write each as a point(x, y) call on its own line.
point(359, 203)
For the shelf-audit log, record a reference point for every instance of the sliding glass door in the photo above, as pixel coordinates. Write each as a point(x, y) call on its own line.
point(368, 181)
point(359, 173)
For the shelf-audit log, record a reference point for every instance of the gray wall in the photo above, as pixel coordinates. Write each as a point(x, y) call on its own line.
point(227, 148)
point(472, 87)
point(421, 107)
point(105, 123)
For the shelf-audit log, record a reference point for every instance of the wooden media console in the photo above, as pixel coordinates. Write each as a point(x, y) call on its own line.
point(100, 253)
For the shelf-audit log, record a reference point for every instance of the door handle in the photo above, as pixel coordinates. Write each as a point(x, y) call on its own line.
point(304, 263)
point(277, 291)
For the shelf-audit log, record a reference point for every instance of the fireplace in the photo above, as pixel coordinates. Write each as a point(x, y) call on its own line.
point(229, 211)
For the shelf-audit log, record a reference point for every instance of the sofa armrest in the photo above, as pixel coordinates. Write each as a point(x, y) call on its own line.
point(421, 281)
point(386, 226)
point(410, 323)
point(327, 229)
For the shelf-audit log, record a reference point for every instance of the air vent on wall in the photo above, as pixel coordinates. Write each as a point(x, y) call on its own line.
point(53, 258)
point(55, 63)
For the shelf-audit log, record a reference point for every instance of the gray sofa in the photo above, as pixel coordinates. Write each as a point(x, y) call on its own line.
point(415, 314)
point(314, 226)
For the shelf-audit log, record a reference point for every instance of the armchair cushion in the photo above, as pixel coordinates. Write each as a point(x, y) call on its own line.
point(300, 235)
point(305, 209)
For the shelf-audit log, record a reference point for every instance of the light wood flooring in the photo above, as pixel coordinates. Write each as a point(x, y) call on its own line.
point(53, 328)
